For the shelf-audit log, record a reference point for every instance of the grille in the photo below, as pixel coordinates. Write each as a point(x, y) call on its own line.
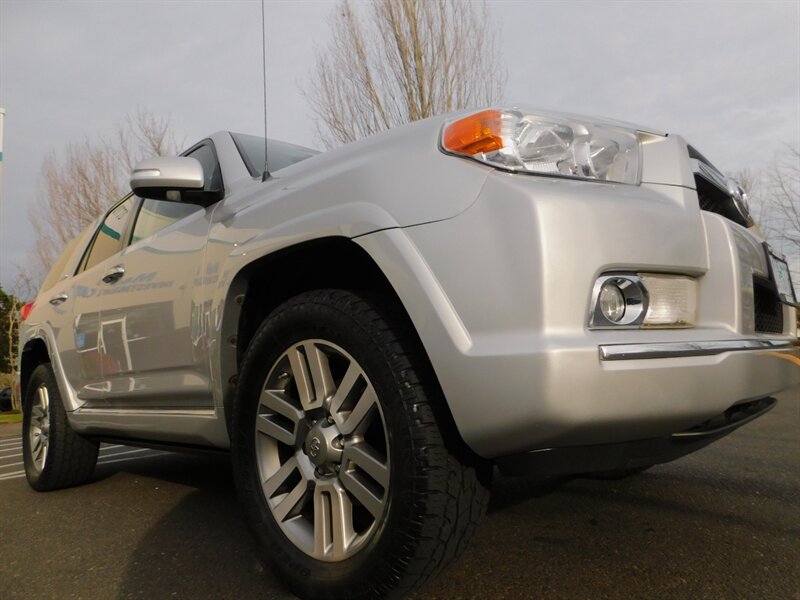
point(712, 191)
point(768, 307)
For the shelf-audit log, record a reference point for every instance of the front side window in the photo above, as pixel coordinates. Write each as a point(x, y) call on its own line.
point(110, 237)
point(155, 215)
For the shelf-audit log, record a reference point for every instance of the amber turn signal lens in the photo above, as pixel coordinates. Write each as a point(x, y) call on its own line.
point(473, 134)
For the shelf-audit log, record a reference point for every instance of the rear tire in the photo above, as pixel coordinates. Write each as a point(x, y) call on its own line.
point(292, 432)
point(54, 455)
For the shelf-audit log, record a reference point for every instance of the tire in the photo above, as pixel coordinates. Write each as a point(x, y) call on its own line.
point(410, 497)
point(54, 455)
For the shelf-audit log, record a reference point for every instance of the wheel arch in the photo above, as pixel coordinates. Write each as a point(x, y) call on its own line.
point(34, 353)
point(335, 262)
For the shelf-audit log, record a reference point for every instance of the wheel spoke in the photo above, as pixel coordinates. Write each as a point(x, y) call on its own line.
point(349, 380)
point(286, 501)
point(37, 412)
point(36, 448)
point(361, 416)
point(292, 500)
point(302, 378)
point(333, 519)
point(320, 372)
point(275, 402)
point(365, 458)
point(355, 485)
point(277, 479)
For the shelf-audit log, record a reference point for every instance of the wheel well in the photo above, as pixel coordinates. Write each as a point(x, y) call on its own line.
point(33, 354)
point(329, 263)
point(335, 263)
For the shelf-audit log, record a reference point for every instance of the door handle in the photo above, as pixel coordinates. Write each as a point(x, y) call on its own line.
point(55, 301)
point(114, 274)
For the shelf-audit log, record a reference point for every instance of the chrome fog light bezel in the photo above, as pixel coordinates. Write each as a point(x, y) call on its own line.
point(644, 297)
point(634, 294)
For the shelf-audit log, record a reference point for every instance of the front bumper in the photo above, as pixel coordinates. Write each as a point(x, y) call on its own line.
point(566, 395)
point(575, 460)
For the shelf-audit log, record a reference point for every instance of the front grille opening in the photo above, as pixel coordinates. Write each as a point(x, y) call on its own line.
point(713, 199)
point(768, 307)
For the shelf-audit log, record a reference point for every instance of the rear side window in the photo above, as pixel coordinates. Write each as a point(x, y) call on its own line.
point(155, 215)
point(110, 237)
point(68, 260)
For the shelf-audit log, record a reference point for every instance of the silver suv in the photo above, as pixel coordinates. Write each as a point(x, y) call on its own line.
point(371, 330)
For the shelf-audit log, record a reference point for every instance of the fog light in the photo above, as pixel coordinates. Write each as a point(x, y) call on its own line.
point(618, 301)
point(638, 300)
point(611, 301)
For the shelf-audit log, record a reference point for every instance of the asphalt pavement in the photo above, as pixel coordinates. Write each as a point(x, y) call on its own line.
point(723, 523)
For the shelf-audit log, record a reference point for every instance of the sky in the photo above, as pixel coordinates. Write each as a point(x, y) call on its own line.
point(725, 75)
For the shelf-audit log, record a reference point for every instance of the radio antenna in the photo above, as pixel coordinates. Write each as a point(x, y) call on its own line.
point(264, 78)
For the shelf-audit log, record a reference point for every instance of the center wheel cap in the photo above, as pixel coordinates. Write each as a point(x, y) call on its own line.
point(319, 445)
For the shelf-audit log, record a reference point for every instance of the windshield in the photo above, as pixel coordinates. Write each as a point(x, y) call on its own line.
point(281, 154)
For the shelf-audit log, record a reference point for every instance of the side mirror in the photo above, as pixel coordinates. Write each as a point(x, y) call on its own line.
point(174, 178)
point(167, 173)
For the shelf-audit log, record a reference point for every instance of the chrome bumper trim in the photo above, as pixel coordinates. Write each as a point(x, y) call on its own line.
point(680, 349)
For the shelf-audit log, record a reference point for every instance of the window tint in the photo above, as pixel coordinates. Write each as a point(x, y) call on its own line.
point(281, 154)
point(154, 215)
point(211, 171)
point(109, 239)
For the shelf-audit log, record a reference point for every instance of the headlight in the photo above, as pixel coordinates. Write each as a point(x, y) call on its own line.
point(546, 145)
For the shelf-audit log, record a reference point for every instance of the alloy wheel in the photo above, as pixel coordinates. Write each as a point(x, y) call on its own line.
point(322, 450)
point(39, 429)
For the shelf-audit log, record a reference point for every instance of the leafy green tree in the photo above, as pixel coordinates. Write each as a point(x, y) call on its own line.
point(9, 327)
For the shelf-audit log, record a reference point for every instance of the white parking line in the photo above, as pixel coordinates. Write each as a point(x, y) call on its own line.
point(10, 453)
point(102, 461)
point(158, 453)
point(12, 475)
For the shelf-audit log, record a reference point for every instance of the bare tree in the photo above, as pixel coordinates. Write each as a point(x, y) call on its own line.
point(774, 195)
point(784, 196)
point(391, 62)
point(86, 178)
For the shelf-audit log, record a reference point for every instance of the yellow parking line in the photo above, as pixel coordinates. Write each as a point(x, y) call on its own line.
point(785, 356)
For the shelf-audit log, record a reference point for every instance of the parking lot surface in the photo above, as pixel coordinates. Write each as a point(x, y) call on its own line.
point(723, 523)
